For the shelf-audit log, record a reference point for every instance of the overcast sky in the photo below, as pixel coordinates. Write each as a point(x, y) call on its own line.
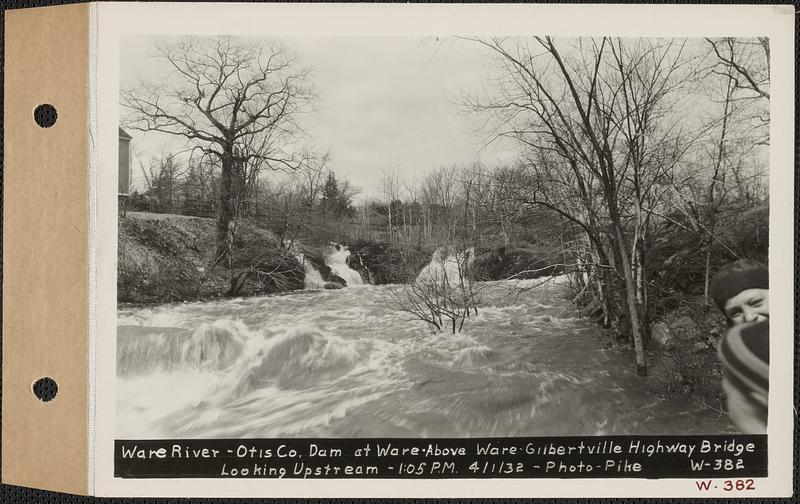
point(383, 102)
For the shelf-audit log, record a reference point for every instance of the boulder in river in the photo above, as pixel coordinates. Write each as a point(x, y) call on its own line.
point(336, 279)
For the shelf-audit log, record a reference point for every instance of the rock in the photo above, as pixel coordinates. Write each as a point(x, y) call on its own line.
point(683, 327)
point(356, 263)
point(673, 330)
point(517, 262)
point(660, 334)
point(318, 262)
point(333, 286)
point(386, 263)
point(337, 279)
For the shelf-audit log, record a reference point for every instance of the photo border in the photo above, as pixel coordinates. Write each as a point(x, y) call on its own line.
point(774, 21)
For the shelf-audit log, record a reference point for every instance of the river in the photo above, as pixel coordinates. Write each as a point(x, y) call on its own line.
point(343, 363)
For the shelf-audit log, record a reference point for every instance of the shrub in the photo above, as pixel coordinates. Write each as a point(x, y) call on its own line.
point(442, 294)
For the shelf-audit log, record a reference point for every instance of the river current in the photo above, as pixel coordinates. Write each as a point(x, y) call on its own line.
point(344, 363)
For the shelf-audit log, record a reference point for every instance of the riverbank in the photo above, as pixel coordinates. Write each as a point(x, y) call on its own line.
point(681, 353)
point(391, 263)
point(165, 258)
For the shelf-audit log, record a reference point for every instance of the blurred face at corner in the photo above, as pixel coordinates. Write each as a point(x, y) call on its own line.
point(741, 291)
point(750, 305)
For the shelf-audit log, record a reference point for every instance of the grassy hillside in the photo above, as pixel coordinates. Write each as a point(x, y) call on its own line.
point(164, 258)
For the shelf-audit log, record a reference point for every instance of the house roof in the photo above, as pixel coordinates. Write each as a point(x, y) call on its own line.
point(124, 135)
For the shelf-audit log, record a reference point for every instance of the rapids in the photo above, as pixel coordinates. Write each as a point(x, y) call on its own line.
point(343, 363)
point(336, 260)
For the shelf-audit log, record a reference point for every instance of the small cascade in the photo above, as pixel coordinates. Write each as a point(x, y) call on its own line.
point(336, 260)
point(313, 278)
point(446, 264)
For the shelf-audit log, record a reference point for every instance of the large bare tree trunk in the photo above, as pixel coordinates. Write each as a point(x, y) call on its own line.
point(707, 278)
point(226, 211)
point(641, 287)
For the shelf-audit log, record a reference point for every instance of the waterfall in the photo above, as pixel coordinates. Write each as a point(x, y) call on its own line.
point(446, 264)
point(313, 278)
point(336, 260)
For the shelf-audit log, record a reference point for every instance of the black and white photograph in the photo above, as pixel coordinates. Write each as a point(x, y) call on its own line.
point(442, 237)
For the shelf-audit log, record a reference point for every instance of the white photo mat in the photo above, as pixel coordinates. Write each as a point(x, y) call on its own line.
point(114, 21)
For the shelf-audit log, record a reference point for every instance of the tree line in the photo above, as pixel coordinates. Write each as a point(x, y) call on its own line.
point(236, 103)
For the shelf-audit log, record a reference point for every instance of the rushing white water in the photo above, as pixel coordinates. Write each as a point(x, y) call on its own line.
point(313, 278)
point(336, 260)
point(447, 265)
point(343, 363)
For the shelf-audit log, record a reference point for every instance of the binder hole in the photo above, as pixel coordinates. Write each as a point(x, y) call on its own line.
point(45, 389)
point(45, 115)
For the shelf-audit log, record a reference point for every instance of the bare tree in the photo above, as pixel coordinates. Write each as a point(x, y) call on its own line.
point(223, 92)
point(309, 177)
point(288, 214)
point(595, 120)
point(725, 169)
point(347, 194)
point(163, 179)
point(390, 186)
point(746, 61)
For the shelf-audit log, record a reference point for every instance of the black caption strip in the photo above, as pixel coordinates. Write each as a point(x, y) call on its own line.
point(553, 457)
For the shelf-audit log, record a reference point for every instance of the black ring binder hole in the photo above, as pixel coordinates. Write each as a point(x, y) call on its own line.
point(45, 115)
point(45, 389)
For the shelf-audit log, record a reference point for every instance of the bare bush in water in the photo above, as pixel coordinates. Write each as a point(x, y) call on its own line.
point(443, 294)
